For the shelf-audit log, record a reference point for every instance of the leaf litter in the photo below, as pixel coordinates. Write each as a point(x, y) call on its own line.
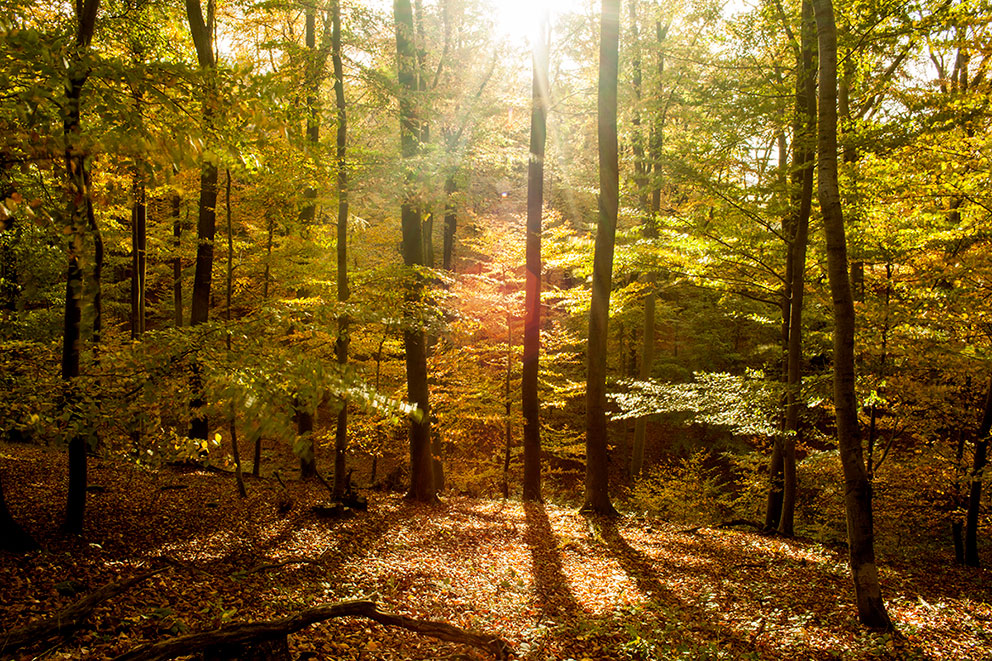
point(551, 582)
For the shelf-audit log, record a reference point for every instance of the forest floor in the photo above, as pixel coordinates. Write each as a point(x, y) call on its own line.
point(552, 583)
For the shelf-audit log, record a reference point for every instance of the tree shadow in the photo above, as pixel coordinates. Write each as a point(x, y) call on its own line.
point(696, 622)
point(551, 587)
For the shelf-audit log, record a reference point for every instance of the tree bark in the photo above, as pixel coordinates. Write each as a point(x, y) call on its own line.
point(803, 159)
point(975, 492)
point(597, 491)
point(308, 212)
point(422, 486)
point(79, 212)
point(650, 229)
point(206, 225)
point(138, 243)
point(341, 346)
point(857, 498)
point(177, 263)
point(235, 450)
point(530, 401)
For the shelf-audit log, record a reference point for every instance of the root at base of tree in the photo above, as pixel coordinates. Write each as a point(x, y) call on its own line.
point(237, 635)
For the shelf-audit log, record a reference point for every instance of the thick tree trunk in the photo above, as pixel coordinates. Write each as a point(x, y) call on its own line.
point(341, 346)
point(206, 225)
point(79, 211)
point(422, 486)
point(975, 492)
point(803, 158)
point(857, 489)
point(530, 401)
point(597, 493)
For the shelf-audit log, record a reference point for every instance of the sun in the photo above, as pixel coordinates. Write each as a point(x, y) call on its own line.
point(518, 20)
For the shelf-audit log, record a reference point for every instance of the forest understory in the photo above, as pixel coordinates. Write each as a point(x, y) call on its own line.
point(550, 582)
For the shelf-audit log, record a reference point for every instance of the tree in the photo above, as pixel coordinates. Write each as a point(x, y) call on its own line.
point(597, 493)
point(341, 346)
point(650, 224)
point(414, 339)
point(857, 489)
point(304, 412)
point(975, 492)
point(202, 31)
point(531, 404)
point(79, 211)
point(797, 234)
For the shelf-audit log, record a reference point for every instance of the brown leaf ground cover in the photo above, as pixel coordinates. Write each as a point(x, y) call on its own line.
point(554, 584)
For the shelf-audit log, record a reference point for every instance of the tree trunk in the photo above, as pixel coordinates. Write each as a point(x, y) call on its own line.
point(857, 489)
point(415, 345)
point(341, 346)
point(597, 495)
point(803, 158)
point(202, 33)
point(530, 401)
point(138, 241)
point(650, 229)
point(79, 209)
point(450, 224)
point(508, 423)
point(975, 493)
point(308, 212)
point(235, 450)
point(177, 263)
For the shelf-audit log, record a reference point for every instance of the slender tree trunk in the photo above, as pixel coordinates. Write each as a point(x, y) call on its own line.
point(177, 263)
point(975, 493)
point(77, 172)
point(508, 423)
point(235, 450)
point(650, 229)
point(341, 346)
point(202, 33)
point(308, 212)
point(270, 229)
point(857, 489)
point(450, 224)
point(597, 493)
point(422, 486)
point(453, 140)
point(803, 158)
point(138, 241)
point(530, 403)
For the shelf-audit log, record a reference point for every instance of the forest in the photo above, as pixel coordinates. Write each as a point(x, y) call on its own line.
point(468, 329)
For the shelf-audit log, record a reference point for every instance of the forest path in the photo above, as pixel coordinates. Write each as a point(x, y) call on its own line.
point(553, 583)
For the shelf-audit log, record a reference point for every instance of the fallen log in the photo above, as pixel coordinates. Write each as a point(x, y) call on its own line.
point(70, 618)
point(235, 635)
